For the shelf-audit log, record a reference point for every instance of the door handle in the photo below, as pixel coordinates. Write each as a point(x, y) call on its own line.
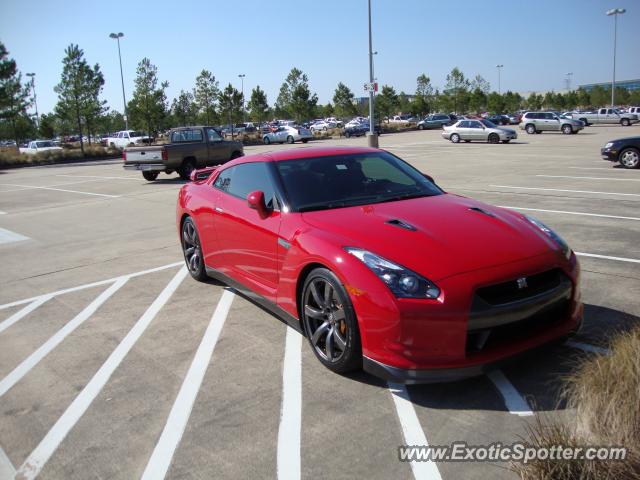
point(218, 209)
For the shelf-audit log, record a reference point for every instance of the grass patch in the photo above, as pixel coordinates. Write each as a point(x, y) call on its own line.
point(604, 392)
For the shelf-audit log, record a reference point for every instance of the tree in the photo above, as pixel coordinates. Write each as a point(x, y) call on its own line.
point(457, 91)
point(534, 102)
point(495, 102)
point(48, 125)
point(148, 107)
point(387, 103)
point(480, 83)
point(206, 94)
point(405, 105)
point(184, 109)
point(512, 101)
point(584, 99)
point(424, 100)
point(599, 96)
point(295, 98)
point(230, 105)
point(258, 105)
point(14, 97)
point(79, 91)
point(343, 101)
point(477, 100)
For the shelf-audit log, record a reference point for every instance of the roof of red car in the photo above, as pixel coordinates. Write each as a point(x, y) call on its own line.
point(303, 152)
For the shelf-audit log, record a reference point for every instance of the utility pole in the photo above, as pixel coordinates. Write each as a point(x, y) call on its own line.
point(118, 36)
point(614, 12)
point(373, 137)
point(242, 75)
point(35, 100)
point(499, 67)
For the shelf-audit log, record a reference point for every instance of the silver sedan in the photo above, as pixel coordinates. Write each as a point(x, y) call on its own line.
point(478, 130)
point(287, 134)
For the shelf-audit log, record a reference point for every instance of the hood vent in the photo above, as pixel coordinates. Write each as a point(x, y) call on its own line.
point(480, 210)
point(399, 223)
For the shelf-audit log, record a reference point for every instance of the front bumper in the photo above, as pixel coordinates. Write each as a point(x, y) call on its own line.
point(145, 167)
point(508, 136)
point(610, 153)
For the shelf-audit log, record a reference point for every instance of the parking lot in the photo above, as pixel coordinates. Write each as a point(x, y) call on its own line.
point(114, 363)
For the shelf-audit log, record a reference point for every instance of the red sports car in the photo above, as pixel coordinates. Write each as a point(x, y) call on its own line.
point(378, 266)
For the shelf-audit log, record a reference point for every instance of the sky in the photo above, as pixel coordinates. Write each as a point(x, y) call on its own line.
point(537, 42)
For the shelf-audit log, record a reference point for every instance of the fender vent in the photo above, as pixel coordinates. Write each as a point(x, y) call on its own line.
point(480, 210)
point(399, 223)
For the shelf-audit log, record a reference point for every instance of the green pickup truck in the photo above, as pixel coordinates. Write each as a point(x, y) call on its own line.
point(189, 148)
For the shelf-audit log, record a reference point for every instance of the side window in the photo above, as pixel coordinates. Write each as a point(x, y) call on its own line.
point(243, 179)
point(213, 136)
point(196, 135)
point(602, 111)
point(548, 116)
point(475, 125)
point(464, 124)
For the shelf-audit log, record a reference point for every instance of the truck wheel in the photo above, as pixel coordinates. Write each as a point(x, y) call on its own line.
point(266, 140)
point(149, 175)
point(625, 122)
point(290, 139)
point(186, 168)
point(630, 158)
point(584, 120)
point(530, 129)
point(567, 130)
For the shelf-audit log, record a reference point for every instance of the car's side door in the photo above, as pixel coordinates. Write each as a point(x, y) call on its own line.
point(463, 130)
point(247, 242)
point(217, 147)
point(476, 130)
point(552, 121)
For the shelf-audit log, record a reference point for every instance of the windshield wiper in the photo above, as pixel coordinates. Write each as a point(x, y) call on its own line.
point(322, 206)
point(405, 196)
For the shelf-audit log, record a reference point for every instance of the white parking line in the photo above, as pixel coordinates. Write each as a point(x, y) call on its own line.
point(412, 431)
point(592, 178)
point(515, 402)
point(587, 347)
point(32, 360)
point(91, 285)
point(607, 257)
point(20, 314)
point(593, 168)
point(7, 470)
point(2, 213)
point(570, 213)
point(291, 410)
point(60, 190)
point(160, 459)
point(100, 176)
point(49, 444)
point(7, 236)
point(564, 190)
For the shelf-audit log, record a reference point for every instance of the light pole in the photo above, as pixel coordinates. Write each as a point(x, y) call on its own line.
point(373, 138)
point(614, 12)
point(35, 101)
point(118, 36)
point(242, 75)
point(499, 67)
point(568, 81)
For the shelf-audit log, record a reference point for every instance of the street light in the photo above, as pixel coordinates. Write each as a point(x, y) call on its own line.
point(35, 101)
point(499, 67)
point(614, 12)
point(568, 81)
point(118, 36)
point(242, 75)
point(373, 138)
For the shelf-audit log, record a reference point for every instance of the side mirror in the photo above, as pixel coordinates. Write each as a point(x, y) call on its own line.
point(429, 177)
point(256, 202)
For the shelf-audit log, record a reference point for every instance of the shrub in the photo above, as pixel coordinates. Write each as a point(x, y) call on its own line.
point(12, 159)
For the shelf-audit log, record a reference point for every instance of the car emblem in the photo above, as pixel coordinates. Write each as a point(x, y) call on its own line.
point(522, 283)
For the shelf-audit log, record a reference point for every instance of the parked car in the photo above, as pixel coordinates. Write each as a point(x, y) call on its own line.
point(605, 116)
point(233, 130)
point(498, 119)
point(359, 130)
point(623, 150)
point(538, 122)
point(634, 111)
point(338, 123)
point(478, 130)
point(514, 118)
point(322, 125)
point(437, 120)
point(293, 231)
point(287, 134)
point(127, 138)
point(37, 146)
point(190, 148)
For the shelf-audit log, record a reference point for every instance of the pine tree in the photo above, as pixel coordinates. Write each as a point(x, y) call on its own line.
point(14, 97)
point(206, 94)
point(258, 106)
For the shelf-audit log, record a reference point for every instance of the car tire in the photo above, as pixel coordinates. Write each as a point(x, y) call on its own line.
point(629, 158)
point(567, 130)
point(186, 168)
point(467, 141)
point(266, 140)
point(192, 250)
point(420, 127)
point(493, 138)
point(305, 140)
point(290, 139)
point(330, 322)
point(584, 120)
point(455, 138)
point(530, 129)
point(112, 145)
point(149, 175)
point(324, 129)
point(625, 122)
point(347, 135)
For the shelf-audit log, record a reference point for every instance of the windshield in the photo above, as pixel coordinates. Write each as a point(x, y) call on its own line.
point(136, 134)
point(44, 144)
point(488, 124)
point(322, 183)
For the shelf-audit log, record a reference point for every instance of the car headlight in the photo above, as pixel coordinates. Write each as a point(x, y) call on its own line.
point(402, 282)
point(609, 145)
point(564, 247)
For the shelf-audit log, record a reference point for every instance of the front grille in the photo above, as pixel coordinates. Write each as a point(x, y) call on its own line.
point(510, 291)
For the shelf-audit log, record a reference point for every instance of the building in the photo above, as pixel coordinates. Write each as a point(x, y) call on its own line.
point(628, 84)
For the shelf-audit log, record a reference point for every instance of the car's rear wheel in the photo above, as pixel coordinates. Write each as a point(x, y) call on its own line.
point(347, 134)
point(330, 322)
point(266, 140)
point(567, 130)
point(186, 168)
point(192, 250)
point(150, 176)
point(494, 138)
point(324, 129)
point(455, 138)
point(467, 141)
point(290, 139)
point(625, 122)
point(530, 129)
point(584, 120)
point(305, 140)
point(630, 158)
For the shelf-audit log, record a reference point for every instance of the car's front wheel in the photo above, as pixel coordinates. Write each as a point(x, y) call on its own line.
point(330, 322)
point(567, 130)
point(192, 250)
point(625, 122)
point(494, 138)
point(630, 158)
point(530, 129)
point(455, 138)
point(290, 139)
point(266, 140)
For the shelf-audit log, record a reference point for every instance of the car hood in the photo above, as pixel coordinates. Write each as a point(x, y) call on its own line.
point(449, 234)
point(508, 130)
